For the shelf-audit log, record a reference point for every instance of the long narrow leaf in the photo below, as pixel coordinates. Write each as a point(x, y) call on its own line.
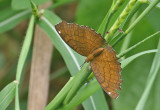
point(151, 77)
point(130, 59)
point(25, 4)
point(7, 95)
point(23, 56)
point(9, 22)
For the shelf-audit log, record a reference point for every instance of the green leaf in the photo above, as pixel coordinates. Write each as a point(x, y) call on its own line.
point(139, 18)
point(23, 56)
point(125, 62)
point(92, 12)
point(60, 3)
point(4, 3)
point(151, 78)
point(10, 18)
point(102, 28)
point(134, 46)
point(7, 95)
point(60, 97)
point(79, 80)
point(158, 5)
point(82, 95)
point(25, 4)
point(72, 59)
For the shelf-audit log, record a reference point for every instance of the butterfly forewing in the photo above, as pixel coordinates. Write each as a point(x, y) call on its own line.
point(82, 39)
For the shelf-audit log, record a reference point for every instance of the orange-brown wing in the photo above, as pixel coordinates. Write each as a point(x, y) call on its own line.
point(82, 39)
point(107, 71)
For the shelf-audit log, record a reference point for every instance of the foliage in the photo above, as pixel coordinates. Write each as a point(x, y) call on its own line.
point(137, 18)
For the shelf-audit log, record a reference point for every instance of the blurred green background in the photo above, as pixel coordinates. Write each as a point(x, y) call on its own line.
point(90, 13)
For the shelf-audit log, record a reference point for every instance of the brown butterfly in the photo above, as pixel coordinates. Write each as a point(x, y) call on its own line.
point(104, 62)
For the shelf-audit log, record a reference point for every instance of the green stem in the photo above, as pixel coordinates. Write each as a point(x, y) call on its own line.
point(83, 94)
point(125, 45)
point(125, 23)
point(90, 77)
point(118, 22)
point(143, 1)
point(60, 97)
point(35, 11)
point(79, 79)
point(146, 11)
point(150, 80)
point(128, 60)
point(17, 107)
point(55, 5)
point(131, 48)
point(22, 58)
point(115, 6)
point(103, 26)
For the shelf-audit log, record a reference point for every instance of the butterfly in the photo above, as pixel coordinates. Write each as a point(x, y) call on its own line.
point(104, 62)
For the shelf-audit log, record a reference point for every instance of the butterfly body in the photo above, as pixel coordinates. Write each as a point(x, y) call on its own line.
point(104, 62)
point(94, 54)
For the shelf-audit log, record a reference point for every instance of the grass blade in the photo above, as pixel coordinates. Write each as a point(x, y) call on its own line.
point(151, 77)
point(134, 46)
point(82, 95)
point(23, 56)
point(146, 11)
point(25, 4)
point(7, 95)
point(59, 98)
point(12, 20)
point(60, 3)
point(125, 62)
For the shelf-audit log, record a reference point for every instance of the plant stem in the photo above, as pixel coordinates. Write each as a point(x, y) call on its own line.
point(118, 22)
point(40, 68)
point(35, 11)
point(126, 22)
point(150, 80)
point(146, 11)
point(102, 28)
point(128, 60)
point(115, 6)
point(79, 79)
point(60, 97)
point(64, 2)
point(131, 48)
point(82, 95)
point(22, 59)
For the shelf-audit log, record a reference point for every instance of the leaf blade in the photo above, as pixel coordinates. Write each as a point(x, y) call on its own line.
point(12, 19)
point(150, 80)
point(7, 95)
point(22, 58)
